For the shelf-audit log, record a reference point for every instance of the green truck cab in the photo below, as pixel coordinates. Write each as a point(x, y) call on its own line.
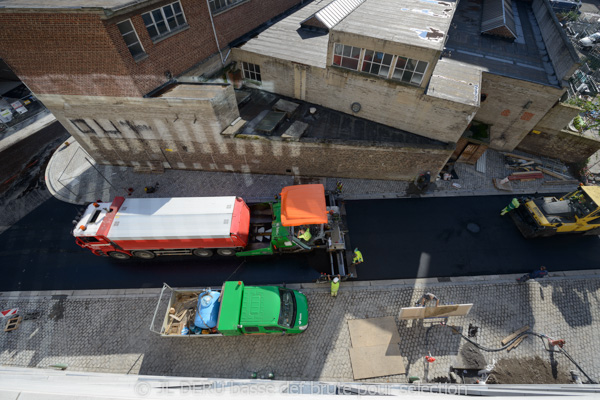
point(235, 309)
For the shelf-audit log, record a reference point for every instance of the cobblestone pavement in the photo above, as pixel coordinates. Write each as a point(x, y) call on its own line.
point(73, 176)
point(108, 331)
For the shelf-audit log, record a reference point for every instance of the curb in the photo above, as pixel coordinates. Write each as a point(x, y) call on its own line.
point(419, 283)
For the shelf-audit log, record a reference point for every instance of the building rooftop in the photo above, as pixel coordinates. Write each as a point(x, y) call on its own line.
point(324, 125)
point(287, 41)
point(526, 58)
point(455, 81)
point(69, 4)
point(420, 23)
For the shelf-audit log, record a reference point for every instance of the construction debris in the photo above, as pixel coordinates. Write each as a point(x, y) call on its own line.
point(528, 168)
point(13, 323)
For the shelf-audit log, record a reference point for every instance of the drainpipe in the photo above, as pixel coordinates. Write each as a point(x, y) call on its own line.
point(215, 33)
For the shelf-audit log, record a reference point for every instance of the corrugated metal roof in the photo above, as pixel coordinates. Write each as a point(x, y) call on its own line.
point(498, 14)
point(334, 12)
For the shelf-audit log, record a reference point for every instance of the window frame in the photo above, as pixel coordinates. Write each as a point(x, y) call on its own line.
point(227, 5)
point(343, 57)
point(412, 72)
point(373, 63)
point(165, 20)
point(248, 72)
point(135, 56)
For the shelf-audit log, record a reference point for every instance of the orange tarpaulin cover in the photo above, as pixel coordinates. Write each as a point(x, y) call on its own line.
point(303, 205)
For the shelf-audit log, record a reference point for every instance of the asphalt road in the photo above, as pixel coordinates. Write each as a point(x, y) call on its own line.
point(406, 238)
point(403, 238)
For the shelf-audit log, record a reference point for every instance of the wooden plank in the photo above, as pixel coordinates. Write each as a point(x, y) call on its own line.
point(453, 310)
point(516, 343)
point(514, 335)
point(554, 174)
point(12, 324)
point(522, 157)
point(374, 361)
point(530, 175)
point(373, 331)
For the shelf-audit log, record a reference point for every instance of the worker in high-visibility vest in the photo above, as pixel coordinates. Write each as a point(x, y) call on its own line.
point(304, 234)
point(335, 285)
point(358, 257)
point(513, 204)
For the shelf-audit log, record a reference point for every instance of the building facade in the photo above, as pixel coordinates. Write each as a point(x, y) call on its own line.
point(150, 84)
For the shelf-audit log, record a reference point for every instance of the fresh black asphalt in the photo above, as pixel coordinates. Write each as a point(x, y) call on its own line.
point(400, 238)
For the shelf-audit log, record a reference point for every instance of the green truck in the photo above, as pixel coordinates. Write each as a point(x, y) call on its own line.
point(235, 309)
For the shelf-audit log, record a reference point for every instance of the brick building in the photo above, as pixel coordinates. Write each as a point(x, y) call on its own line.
point(151, 83)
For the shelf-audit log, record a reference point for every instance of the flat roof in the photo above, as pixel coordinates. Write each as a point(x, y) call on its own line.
point(70, 4)
point(192, 90)
point(420, 23)
point(173, 218)
point(455, 81)
point(285, 40)
point(525, 58)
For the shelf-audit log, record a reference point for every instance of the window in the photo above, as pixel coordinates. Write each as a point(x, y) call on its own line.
point(346, 56)
point(274, 328)
point(287, 315)
point(251, 329)
point(219, 5)
point(410, 71)
point(164, 20)
point(131, 38)
point(251, 71)
point(377, 63)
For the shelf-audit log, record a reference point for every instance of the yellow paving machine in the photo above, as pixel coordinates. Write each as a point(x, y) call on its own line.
point(575, 212)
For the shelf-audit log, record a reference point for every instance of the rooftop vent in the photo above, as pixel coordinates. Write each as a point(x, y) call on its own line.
point(330, 15)
point(498, 19)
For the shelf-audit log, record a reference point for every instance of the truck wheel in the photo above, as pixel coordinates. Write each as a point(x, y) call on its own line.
point(226, 252)
point(202, 252)
point(146, 255)
point(117, 255)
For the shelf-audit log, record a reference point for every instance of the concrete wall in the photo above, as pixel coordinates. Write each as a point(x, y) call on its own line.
point(556, 141)
point(563, 57)
point(384, 101)
point(513, 108)
point(186, 134)
point(565, 145)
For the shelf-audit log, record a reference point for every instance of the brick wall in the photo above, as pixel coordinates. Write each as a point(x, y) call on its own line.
point(78, 53)
point(68, 53)
point(175, 54)
point(237, 21)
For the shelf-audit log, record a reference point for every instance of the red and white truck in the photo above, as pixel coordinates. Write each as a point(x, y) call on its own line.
point(300, 221)
point(149, 227)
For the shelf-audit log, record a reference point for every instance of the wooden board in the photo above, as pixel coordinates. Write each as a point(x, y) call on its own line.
point(373, 332)
point(514, 334)
point(516, 343)
point(453, 310)
point(374, 361)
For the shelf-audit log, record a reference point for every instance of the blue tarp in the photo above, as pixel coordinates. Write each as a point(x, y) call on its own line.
point(207, 312)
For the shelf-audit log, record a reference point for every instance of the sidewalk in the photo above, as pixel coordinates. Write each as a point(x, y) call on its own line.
point(73, 176)
point(108, 331)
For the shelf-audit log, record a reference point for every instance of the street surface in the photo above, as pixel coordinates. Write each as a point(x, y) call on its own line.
point(102, 331)
point(400, 238)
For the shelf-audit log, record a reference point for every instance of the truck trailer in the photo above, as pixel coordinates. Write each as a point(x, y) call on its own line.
point(232, 310)
point(200, 226)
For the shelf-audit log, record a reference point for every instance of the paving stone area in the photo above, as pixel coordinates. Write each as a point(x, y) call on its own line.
point(107, 332)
